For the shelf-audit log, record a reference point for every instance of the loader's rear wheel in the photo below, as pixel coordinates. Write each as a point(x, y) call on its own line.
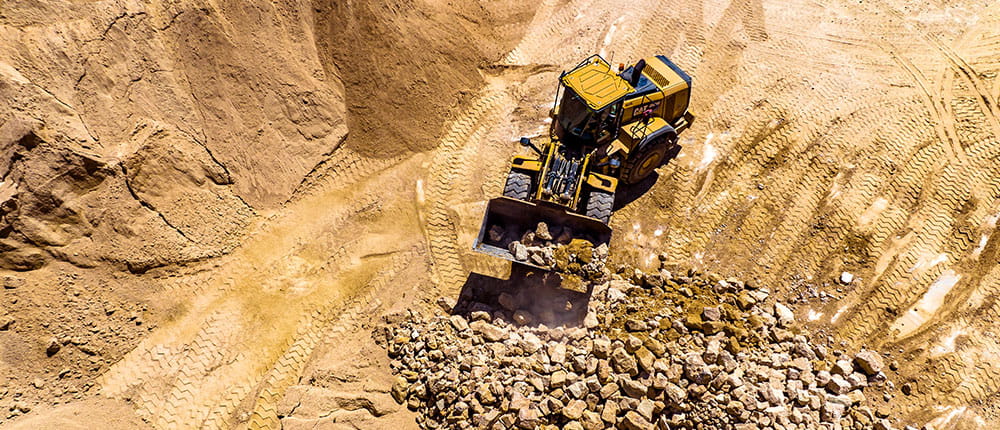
point(518, 185)
point(599, 205)
point(642, 164)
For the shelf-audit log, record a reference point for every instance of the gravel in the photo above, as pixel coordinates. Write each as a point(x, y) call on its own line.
point(680, 352)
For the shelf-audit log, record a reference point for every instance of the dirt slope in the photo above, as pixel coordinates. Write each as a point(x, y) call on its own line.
point(177, 116)
point(830, 137)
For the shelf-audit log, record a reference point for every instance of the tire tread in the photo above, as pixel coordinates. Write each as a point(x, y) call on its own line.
point(599, 205)
point(518, 185)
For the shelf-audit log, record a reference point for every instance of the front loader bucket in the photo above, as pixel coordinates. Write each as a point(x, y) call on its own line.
point(517, 217)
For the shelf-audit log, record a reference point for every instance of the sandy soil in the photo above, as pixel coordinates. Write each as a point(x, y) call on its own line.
point(257, 204)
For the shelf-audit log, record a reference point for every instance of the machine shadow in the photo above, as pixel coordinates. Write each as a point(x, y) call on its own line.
point(628, 193)
point(536, 296)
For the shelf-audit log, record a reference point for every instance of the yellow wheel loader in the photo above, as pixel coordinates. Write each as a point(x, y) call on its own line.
point(608, 127)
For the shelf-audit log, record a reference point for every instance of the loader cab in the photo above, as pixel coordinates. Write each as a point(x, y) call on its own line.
point(588, 107)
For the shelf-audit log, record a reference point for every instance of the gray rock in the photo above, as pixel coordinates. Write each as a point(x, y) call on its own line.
point(634, 421)
point(458, 322)
point(695, 369)
point(601, 252)
point(857, 380)
point(822, 378)
point(523, 317)
point(576, 333)
point(856, 397)
point(659, 381)
point(610, 412)
point(557, 353)
point(712, 350)
point(784, 315)
point(577, 389)
point(519, 250)
point(635, 325)
point(542, 232)
point(869, 362)
point(399, 389)
point(574, 409)
point(674, 373)
point(615, 295)
point(590, 321)
point(593, 385)
point(802, 397)
point(591, 421)
point(645, 359)
point(838, 385)
point(846, 278)
point(774, 396)
point(711, 314)
point(883, 424)
point(529, 418)
point(632, 343)
point(496, 233)
point(842, 367)
point(52, 347)
point(632, 388)
point(759, 295)
point(645, 409)
point(518, 401)
point(601, 347)
point(603, 371)
point(489, 331)
point(608, 390)
point(655, 346)
point(530, 343)
point(832, 412)
point(557, 379)
point(537, 258)
point(623, 362)
point(674, 394)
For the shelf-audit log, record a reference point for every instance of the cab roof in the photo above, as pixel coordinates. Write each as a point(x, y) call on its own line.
point(596, 84)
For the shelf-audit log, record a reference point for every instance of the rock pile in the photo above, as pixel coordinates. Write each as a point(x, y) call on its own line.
point(557, 249)
point(653, 352)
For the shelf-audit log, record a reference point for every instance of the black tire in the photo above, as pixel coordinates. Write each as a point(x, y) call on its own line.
point(643, 163)
point(599, 205)
point(518, 185)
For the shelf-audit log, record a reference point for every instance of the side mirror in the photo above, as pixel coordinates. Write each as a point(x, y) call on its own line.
point(527, 142)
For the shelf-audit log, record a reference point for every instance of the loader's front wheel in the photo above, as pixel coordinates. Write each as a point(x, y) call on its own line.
point(642, 164)
point(599, 205)
point(518, 185)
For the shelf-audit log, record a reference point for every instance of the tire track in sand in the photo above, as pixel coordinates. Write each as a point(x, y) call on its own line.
point(321, 326)
point(464, 135)
point(198, 369)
